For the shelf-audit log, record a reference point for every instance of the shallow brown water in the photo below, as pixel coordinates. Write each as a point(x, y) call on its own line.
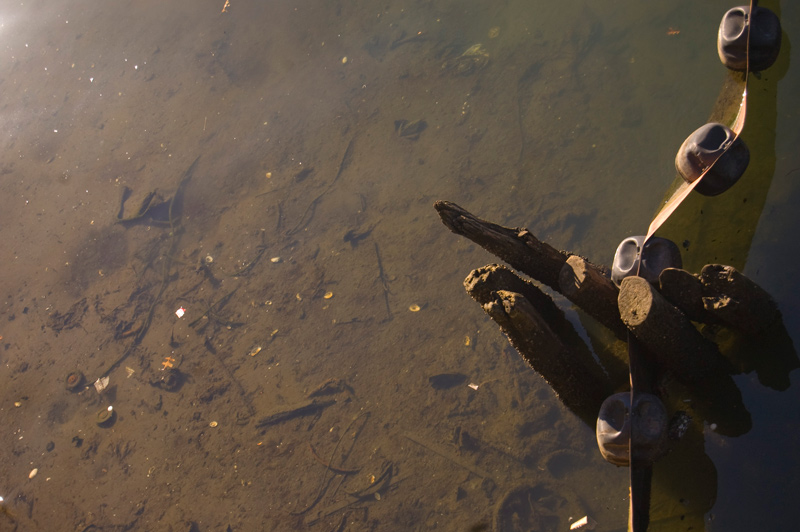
point(306, 228)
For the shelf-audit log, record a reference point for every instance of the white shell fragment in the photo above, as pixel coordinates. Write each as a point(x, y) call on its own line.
point(33, 472)
point(101, 384)
point(584, 523)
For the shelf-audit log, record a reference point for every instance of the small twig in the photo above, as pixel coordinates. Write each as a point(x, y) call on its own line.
point(321, 491)
point(218, 303)
point(338, 470)
point(384, 282)
point(448, 456)
point(304, 408)
point(247, 267)
point(308, 214)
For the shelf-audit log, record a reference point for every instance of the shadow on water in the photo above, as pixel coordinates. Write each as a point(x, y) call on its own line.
point(328, 371)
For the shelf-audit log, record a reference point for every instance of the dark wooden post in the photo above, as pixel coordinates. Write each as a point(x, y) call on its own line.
point(585, 285)
point(517, 247)
point(721, 295)
point(677, 346)
point(538, 330)
point(736, 300)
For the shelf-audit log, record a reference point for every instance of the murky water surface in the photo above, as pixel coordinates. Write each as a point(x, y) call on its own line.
point(329, 372)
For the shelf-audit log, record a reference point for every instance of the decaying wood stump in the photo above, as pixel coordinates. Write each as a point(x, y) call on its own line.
point(589, 288)
point(678, 347)
point(665, 330)
point(517, 247)
point(542, 262)
point(540, 332)
point(662, 321)
point(721, 294)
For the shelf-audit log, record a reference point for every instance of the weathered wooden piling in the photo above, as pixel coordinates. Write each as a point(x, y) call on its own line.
point(542, 262)
point(679, 348)
point(721, 295)
point(664, 329)
point(588, 287)
point(540, 332)
point(517, 247)
point(663, 323)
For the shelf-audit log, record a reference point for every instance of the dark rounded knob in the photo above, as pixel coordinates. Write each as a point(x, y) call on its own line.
point(647, 418)
point(657, 255)
point(765, 38)
point(702, 148)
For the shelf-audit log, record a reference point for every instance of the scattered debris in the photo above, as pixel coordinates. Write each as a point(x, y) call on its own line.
point(475, 58)
point(105, 417)
point(101, 384)
point(169, 380)
point(678, 425)
point(584, 523)
point(74, 380)
point(410, 130)
point(330, 387)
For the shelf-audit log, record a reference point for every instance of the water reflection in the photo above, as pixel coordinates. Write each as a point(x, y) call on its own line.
point(304, 188)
